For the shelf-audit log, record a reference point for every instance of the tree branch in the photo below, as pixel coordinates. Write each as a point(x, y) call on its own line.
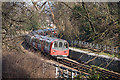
point(11, 18)
point(88, 18)
point(37, 8)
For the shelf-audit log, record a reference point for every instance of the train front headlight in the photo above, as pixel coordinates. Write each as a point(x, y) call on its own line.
point(65, 51)
point(54, 51)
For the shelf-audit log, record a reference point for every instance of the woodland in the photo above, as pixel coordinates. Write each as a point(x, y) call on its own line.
point(93, 22)
point(96, 22)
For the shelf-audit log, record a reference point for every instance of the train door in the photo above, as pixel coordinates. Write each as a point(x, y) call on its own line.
point(42, 46)
point(46, 47)
point(28, 40)
point(39, 44)
point(33, 43)
point(36, 43)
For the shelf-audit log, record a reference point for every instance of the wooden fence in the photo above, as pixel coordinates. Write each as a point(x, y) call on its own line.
point(100, 47)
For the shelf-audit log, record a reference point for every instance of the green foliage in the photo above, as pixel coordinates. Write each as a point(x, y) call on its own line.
point(33, 22)
point(113, 8)
point(95, 75)
point(103, 18)
point(78, 9)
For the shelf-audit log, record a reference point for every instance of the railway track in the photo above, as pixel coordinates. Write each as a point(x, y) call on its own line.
point(89, 69)
point(82, 67)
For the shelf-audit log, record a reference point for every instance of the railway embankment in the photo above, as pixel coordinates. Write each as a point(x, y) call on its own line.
point(103, 61)
point(21, 62)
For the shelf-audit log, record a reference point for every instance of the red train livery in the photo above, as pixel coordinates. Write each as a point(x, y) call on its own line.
point(53, 46)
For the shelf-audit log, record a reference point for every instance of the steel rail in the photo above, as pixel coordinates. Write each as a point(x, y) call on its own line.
point(82, 67)
point(86, 69)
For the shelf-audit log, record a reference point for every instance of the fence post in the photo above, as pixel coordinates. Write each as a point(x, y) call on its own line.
point(97, 46)
point(67, 74)
point(105, 48)
point(72, 75)
point(90, 45)
point(113, 49)
point(77, 43)
point(63, 75)
point(57, 70)
point(72, 43)
point(87, 44)
point(75, 74)
point(116, 51)
point(93, 46)
point(102, 47)
point(82, 42)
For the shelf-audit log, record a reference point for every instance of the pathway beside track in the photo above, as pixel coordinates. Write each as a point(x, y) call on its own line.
point(93, 54)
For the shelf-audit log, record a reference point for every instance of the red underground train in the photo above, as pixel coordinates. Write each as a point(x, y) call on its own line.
point(52, 46)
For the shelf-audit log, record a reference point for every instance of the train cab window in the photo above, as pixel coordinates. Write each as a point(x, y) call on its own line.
point(60, 44)
point(65, 45)
point(55, 44)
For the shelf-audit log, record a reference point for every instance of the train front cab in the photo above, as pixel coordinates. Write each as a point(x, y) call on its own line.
point(60, 48)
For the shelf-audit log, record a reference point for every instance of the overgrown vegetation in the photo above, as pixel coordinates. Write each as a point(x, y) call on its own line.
point(99, 52)
point(19, 16)
point(90, 22)
point(94, 75)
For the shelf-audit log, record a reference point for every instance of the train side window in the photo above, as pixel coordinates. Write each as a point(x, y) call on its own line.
point(65, 45)
point(33, 40)
point(55, 45)
point(36, 40)
point(46, 44)
point(39, 42)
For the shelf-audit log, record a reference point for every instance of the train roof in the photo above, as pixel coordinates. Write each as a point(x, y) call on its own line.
point(46, 38)
point(39, 31)
point(41, 37)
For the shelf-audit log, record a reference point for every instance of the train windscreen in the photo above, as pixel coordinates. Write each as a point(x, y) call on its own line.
point(60, 45)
